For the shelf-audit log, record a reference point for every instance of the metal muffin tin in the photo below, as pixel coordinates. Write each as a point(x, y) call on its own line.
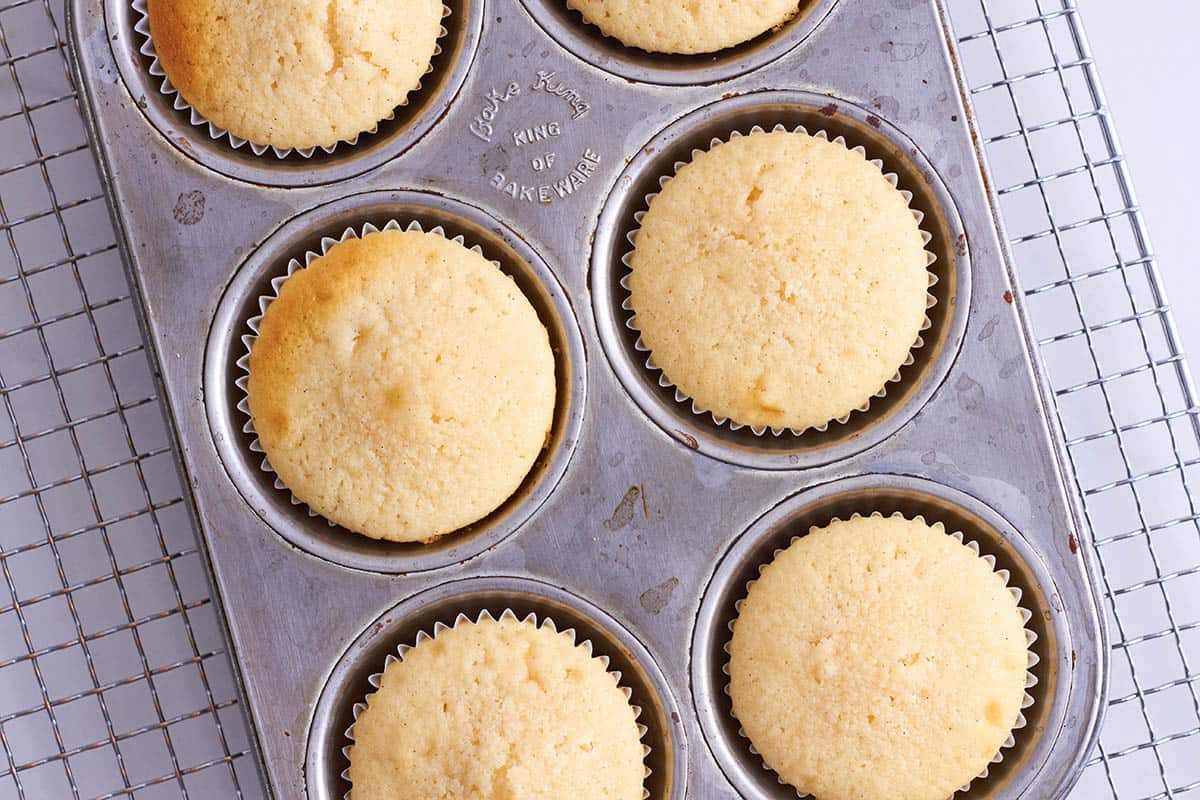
point(536, 138)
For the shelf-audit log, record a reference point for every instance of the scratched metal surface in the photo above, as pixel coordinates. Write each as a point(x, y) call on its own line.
point(627, 542)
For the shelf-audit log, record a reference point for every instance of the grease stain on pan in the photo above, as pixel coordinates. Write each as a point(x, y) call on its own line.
point(970, 393)
point(989, 329)
point(189, 208)
point(657, 597)
point(626, 511)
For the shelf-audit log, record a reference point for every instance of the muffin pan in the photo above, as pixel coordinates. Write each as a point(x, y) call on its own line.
point(536, 138)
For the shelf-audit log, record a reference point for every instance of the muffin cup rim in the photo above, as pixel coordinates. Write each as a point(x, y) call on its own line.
point(1031, 638)
point(507, 614)
point(167, 89)
point(629, 320)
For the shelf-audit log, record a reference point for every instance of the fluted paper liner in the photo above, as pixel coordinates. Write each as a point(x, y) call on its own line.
point(641, 346)
point(1026, 615)
point(506, 615)
point(216, 132)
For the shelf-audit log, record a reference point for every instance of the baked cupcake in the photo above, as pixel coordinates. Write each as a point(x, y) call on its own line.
point(675, 26)
point(295, 73)
point(496, 709)
point(779, 280)
point(401, 385)
point(878, 658)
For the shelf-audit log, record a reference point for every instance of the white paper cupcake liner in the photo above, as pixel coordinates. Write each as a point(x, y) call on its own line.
point(1030, 638)
point(680, 396)
point(216, 132)
point(507, 615)
point(264, 301)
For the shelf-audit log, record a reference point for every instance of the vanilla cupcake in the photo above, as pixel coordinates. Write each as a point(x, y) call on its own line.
point(878, 658)
point(675, 26)
point(295, 73)
point(497, 708)
point(401, 385)
point(779, 280)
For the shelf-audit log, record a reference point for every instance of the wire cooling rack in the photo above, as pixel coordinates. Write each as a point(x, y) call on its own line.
point(1124, 396)
point(114, 680)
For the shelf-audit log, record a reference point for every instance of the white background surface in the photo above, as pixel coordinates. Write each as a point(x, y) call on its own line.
point(1149, 61)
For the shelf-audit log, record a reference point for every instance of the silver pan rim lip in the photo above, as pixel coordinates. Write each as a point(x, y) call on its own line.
point(585, 41)
point(786, 452)
point(617, 638)
point(1035, 748)
point(273, 506)
point(372, 151)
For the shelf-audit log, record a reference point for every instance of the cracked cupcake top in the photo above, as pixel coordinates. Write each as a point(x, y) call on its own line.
point(295, 73)
point(779, 280)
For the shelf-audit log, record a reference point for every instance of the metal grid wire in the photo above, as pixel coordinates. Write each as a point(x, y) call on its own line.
point(113, 677)
point(1123, 393)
